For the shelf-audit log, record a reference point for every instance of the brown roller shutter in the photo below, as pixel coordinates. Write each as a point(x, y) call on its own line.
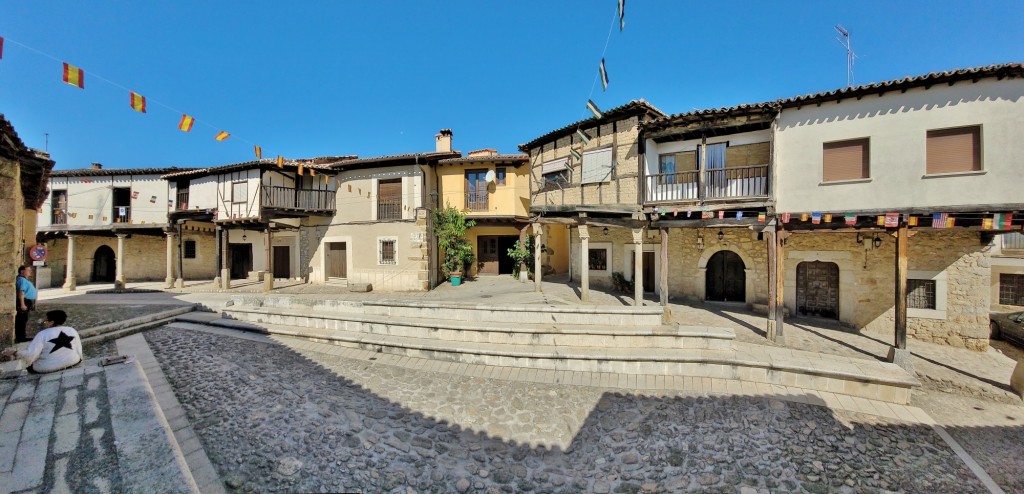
point(954, 150)
point(845, 160)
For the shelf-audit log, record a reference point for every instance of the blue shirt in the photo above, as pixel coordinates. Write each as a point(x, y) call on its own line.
point(24, 285)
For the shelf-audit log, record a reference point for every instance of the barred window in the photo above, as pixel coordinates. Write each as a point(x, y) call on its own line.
point(598, 259)
point(920, 294)
point(190, 249)
point(1011, 289)
point(387, 251)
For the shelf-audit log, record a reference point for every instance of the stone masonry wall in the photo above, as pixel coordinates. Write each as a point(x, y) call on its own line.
point(10, 244)
point(145, 257)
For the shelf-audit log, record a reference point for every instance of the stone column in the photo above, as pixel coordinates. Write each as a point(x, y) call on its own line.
point(524, 274)
point(638, 269)
point(225, 270)
point(217, 259)
point(119, 263)
point(181, 257)
point(538, 269)
point(69, 278)
point(268, 277)
point(663, 296)
point(169, 281)
point(585, 263)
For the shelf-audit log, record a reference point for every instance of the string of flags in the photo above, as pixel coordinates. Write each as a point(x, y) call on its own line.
point(995, 221)
point(75, 76)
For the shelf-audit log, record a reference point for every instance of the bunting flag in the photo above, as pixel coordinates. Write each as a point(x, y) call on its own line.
point(583, 136)
point(327, 180)
point(280, 161)
point(604, 76)
point(138, 102)
point(622, 15)
point(1, 47)
point(688, 213)
point(170, 203)
point(86, 180)
point(851, 219)
point(739, 215)
point(761, 217)
point(221, 135)
point(816, 218)
point(785, 217)
point(803, 217)
point(706, 215)
point(186, 123)
point(880, 221)
point(828, 218)
point(675, 211)
point(302, 169)
point(721, 215)
point(312, 172)
point(74, 215)
point(152, 199)
point(593, 109)
point(74, 76)
point(892, 220)
point(135, 194)
point(259, 152)
point(999, 221)
point(912, 221)
point(575, 154)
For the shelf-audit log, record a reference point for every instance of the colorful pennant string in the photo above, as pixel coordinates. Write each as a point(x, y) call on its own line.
point(186, 123)
point(593, 109)
point(222, 135)
point(259, 152)
point(74, 76)
point(604, 76)
point(138, 101)
point(280, 161)
point(761, 217)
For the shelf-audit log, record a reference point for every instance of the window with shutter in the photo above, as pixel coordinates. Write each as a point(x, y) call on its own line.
point(389, 199)
point(597, 166)
point(845, 160)
point(954, 150)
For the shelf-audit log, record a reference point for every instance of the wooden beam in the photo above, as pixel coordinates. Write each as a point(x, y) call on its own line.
point(901, 287)
point(664, 267)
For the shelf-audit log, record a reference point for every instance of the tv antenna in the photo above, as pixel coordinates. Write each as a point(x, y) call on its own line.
point(844, 39)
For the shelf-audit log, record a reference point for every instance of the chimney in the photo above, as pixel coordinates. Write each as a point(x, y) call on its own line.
point(443, 141)
point(97, 166)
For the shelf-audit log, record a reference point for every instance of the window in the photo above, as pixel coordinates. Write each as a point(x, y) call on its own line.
point(387, 251)
point(555, 175)
point(921, 294)
point(667, 169)
point(954, 150)
point(239, 192)
point(1013, 241)
point(190, 249)
point(1011, 289)
point(845, 160)
point(499, 174)
point(59, 207)
point(389, 199)
point(597, 166)
point(597, 259)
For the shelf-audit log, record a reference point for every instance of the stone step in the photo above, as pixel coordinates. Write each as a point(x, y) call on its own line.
point(507, 333)
point(92, 334)
point(866, 379)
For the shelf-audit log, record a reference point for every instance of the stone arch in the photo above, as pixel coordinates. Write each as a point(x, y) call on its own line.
point(702, 268)
point(104, 265)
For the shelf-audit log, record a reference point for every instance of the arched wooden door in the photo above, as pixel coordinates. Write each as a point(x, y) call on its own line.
point(726, 279)
point(104, 264)
point(817, 289)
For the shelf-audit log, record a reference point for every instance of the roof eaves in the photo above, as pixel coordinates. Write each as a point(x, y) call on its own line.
point(639, 106)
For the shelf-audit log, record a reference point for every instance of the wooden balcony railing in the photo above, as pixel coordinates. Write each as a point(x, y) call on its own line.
point(122, 214)
point(59, 217)
point(741, 182)
point(389, 210)
point(291, 198)
point(477, 201)
point(182, 201)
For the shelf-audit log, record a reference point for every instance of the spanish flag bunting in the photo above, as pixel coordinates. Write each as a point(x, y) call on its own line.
point(312, 172)
point(986, 224)
point(186, 123)
point(912, 221)
point(327, 180)
point(138, 102)
point(302, 169)
point(280, 161)
point(761, 217)
point(221, 135)
point(74, 76)
point(803, 217)
point(1, 47)
point(828, 218)
point(259, 152)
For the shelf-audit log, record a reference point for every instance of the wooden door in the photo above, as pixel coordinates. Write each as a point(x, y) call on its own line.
point(337, 260)
point(726, 278)
point(649, 280)
point(817, 289)
point(282, 262)
point(487, 255)
point(241, 260)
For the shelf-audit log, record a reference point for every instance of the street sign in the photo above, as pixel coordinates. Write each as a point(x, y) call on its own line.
point(37, 252)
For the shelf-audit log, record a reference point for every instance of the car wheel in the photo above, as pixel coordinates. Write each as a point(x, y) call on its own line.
point(995, 333)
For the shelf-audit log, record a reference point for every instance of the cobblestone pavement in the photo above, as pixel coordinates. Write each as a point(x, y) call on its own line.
point(273, 419)
point(56, 434)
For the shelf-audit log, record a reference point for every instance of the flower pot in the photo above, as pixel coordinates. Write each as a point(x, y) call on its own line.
point(456, 279)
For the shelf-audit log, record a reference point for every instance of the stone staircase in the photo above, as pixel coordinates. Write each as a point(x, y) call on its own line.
point(613, 339)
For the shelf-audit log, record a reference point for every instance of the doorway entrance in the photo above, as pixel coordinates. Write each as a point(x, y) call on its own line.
point(492, 254)
point(817, 289)
point(337, 261)
point(104, 265)
point(726, 279)
point(282, 262)
point(241, 260)
point(648, 260)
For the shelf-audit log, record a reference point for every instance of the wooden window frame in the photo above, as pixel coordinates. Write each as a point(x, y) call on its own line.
point(499, 175)
point(937, 165)
point(839, 165)
point(401, 200)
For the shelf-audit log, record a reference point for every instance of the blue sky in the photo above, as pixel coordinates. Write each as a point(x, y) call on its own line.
point(306, 79)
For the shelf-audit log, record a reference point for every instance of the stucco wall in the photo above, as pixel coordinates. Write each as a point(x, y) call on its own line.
point(409, 273)
point(511, 199)
point(90, 199)
point(357, 194)
point(897, 124)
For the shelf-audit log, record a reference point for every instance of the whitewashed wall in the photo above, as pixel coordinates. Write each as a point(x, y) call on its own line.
point(90, 199)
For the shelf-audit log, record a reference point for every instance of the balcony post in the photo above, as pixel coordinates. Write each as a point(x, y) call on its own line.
point(585, 263)
point(69, 277)
point(638, 270)
point(268, 277)
point(217, 258)
point(538, 269)
point(663, 296)
point(898, 353)
point(225, 271)
point(181, 256)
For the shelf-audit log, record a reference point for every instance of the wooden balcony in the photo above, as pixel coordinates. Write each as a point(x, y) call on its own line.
point(477, 201)
point(292, 198)
point(59, 217)
point(182, 201)
point(741, 182)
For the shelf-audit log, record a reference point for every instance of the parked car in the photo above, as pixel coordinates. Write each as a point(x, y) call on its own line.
point(1007, 326)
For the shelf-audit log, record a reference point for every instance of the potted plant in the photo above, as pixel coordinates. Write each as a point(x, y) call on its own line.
point(522, 255)
point(450, 227)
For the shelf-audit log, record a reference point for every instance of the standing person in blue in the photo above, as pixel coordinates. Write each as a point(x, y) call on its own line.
point(26, 302)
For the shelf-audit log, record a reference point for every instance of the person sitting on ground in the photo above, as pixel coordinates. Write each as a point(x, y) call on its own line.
point(55, 348)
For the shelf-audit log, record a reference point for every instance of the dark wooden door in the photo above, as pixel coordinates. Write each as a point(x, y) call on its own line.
point(241, 260)
point(104, 264)
point(726, 279)
point(337, 260)
point(817, 289)
point(505, 263)
point(649, 280)
point(487, 255)
point(282, 261)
